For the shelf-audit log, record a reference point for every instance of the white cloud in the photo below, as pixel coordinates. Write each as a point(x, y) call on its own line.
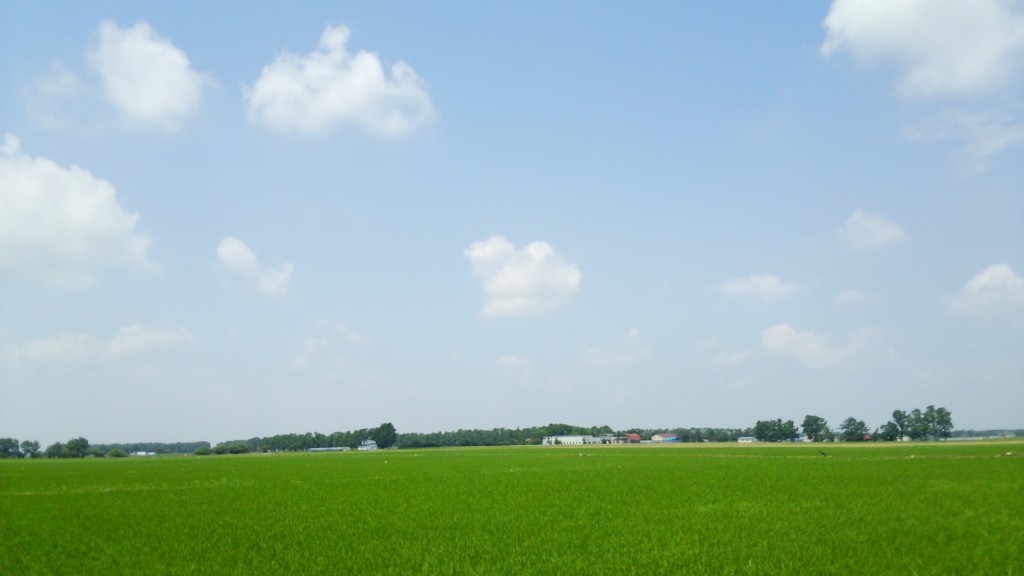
point(129, 341)
point(532, 280)
point(145, 76)
point(864, 231)
point(518, 366)
point(994, 289)
point(630, 351)
point(983, 134)
point(945, 47)
point(241, 263)
point(63, 347)
point(814, 350)
point(351, 335)
point(729, 359)
point(310, 351)
point(765, 286)
point(313, 93)
point(60, 225)
point(140, 338)
point(514, 361)
point(850, 297)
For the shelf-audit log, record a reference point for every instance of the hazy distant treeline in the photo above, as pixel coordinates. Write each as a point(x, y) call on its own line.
point(154, 447)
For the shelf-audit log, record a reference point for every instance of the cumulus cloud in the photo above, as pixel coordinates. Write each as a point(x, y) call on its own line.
point(630, 351)
point(997, 288)
point(944, 47)
point(983, 135)
point(129, 341)
point(531, 280)
point(865, 232)
point(817, 351)
point(144, 76)
point(61, 225)
point(241, 263)
point(766, 286)
point(329, 86)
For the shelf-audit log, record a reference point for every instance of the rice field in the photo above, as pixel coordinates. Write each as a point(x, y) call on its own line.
point(950, 508)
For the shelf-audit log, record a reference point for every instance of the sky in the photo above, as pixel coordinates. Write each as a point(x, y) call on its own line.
point(225, 220)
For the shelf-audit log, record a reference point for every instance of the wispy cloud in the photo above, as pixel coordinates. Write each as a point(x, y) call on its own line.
point(866, 232)
point(983, 135)
point(766, 286)
point(817, 351)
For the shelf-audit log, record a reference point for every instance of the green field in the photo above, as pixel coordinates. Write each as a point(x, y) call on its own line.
point(950, 508)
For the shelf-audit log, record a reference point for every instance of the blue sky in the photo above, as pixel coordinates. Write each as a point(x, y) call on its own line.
point(218, 221)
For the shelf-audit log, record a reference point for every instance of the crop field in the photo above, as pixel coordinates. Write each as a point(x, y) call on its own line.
point(950, 508)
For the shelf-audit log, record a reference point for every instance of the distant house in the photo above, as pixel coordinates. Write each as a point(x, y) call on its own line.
point(746, 439)
point(570, 440)
point(633, 438)
point(663, 438)
point(368, 445)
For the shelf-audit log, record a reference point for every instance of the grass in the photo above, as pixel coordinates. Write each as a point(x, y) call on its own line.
point(950, 508)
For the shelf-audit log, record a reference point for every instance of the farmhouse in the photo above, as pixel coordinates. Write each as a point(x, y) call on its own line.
point(663, 438)
point(368, 445)
point(746, 439)
point(570, 440)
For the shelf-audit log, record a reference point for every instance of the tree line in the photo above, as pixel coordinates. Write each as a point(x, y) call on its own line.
point(930, 424)
point(384, 435)
point(81, 448)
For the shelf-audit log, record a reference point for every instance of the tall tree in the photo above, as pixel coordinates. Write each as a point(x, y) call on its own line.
point(815, 427)
point(77, 447)
point(853, 430)
point(943, 423)
point(902, 421)
point(385, 435)
point(30, 448)
point(918, 425)
point(56, 450)
point(9, 448)
point(890, 431)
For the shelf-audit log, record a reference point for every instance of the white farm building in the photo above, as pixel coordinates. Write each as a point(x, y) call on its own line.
point(570, 440)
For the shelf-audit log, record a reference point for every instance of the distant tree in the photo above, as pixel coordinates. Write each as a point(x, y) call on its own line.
point(9, 448)
point(56, 450)
point(775, 430)
point(853, 430)
point(116, 453)
point(943, 423)
point(385, 435)
point(203, 451)
point(30, 448)
point(815, 427)
point(918, 425)
point(890, 431)
point(902, 421)
point(77, 447)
